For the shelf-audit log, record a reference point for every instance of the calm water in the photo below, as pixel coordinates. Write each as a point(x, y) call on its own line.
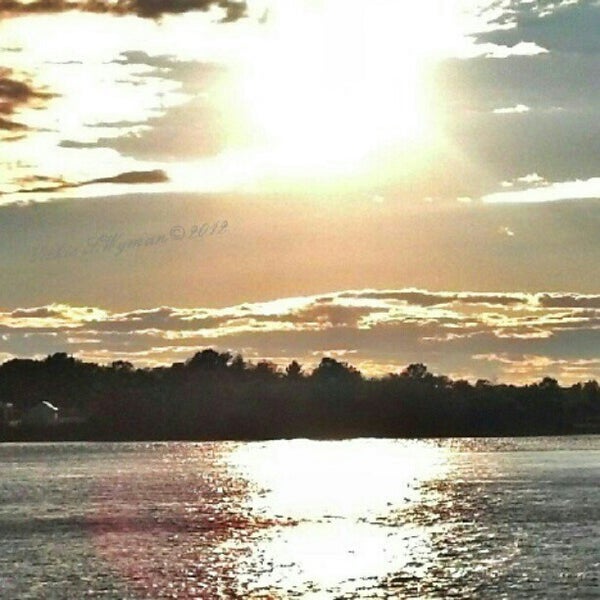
point(513, 518)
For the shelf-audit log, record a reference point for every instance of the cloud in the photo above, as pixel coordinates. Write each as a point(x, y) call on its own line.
point(133, 177)
point(556, 300)
point(16, 93)
point(7, 125)
point(427, 299)
point(42, 312)
point(502, 51)
point(558, 26)
point(532, 178)
point(152, 9)
point(191, 128)
point(512, 110)
point(127, 178)
point(453, 332)
point(11, 125)
point(552, 192)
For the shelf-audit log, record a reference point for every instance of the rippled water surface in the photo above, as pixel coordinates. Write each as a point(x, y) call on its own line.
point(512, 518)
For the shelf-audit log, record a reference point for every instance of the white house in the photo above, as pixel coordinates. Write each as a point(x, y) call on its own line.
point(41, 415)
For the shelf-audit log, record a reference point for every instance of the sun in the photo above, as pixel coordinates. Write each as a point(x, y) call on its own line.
point(329, 84)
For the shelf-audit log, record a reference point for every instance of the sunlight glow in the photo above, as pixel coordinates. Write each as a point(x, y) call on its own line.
point(317, 92)
point(329, 84)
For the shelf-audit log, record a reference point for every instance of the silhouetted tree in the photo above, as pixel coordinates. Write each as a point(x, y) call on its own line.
point(549, 383)
point(265, 370)
point(293, 371)
point(238, 365)
point(121, 365)
point(415, 371)
point(482, 384)
point(330, 369)
point(209, 360)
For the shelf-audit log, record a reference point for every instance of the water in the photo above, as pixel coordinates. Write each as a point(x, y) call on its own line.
point(512, 518)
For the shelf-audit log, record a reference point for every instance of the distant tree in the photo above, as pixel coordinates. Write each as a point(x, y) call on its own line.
point(265, 369)
point(121, 365)
point(481, 384)
point(238, 365)
point(415, 371)
point(209, 360)
point(293, 370)
point(461, 385)
point(589, 394)
point(60, 360)
point(591, 388)
point(443, 381)
point(549, 384)
point(330, 369)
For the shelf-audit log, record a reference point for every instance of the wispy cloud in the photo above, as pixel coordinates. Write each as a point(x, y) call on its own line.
point(501, 51)
point(550, 192)
point(512, 110)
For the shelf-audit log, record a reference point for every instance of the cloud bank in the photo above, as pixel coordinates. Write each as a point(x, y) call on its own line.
point(512, 337)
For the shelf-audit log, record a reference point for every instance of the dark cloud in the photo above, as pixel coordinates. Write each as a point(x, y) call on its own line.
point(569, 301)
point(42, 312)
point(139, 57)
point(78, 145)
point(419, 297)
point(133, 177)
point(234, 11)
point(152, 9)
point(491, 299)
point(164, 318)
point(426, 299)
point(569, 27)
point(15, 92)
point(325, 315)
point(128, 178)
point(7, 125)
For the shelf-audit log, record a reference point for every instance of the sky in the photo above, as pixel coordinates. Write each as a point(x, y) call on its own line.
point(381, 182)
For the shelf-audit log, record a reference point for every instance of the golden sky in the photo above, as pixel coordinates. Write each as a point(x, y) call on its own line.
point(313, 158)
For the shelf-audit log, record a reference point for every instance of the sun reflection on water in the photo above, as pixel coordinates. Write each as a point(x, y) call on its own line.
point(346, 500)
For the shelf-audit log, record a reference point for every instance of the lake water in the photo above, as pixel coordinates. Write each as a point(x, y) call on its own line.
point(463, 518)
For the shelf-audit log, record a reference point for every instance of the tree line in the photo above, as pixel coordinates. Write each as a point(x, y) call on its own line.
point(216, 395)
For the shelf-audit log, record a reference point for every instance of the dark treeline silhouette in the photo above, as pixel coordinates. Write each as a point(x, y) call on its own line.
point(218, 396)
